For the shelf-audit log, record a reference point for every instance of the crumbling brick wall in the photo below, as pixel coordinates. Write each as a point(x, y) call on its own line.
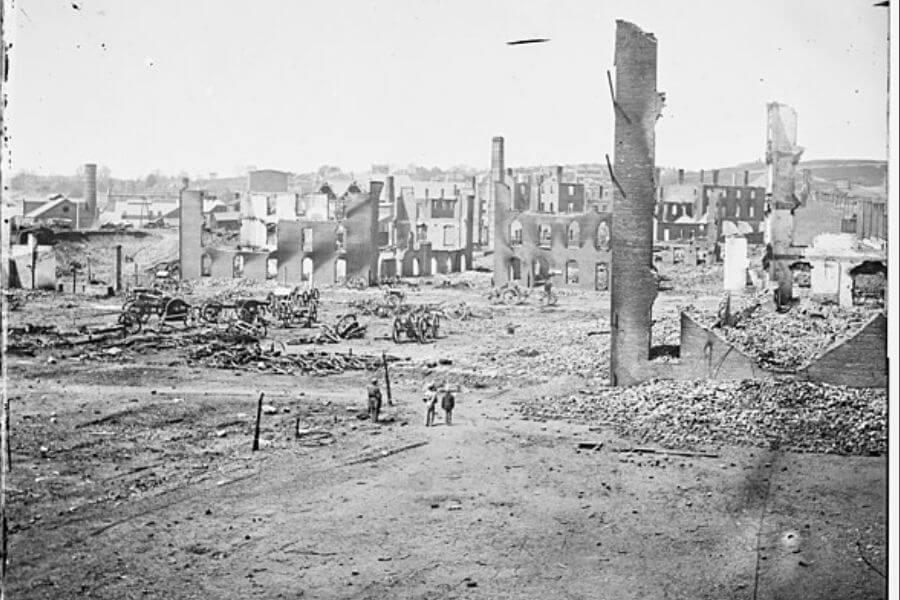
point(859, 361)
point(586, 250)
point(705, 354)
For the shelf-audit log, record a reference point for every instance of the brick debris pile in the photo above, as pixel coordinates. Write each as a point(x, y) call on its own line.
point(534, 349)
point(786, 340)
point(795, 416)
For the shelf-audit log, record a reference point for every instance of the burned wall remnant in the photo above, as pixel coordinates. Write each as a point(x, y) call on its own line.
point(858, 361)
point(637, 105)
point(570, 249)
point(190, 234)
point(782, 156)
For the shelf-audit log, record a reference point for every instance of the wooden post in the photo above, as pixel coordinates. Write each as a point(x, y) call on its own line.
point(387, 378)
point(258, 417)
point(118, 268)
point(34, 259)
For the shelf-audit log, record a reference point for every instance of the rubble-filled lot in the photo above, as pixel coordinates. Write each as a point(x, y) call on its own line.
point(786, 340)
point(793, 416)
point(133, 476)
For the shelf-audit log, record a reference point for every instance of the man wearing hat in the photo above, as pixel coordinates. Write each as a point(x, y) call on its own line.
point(448, 401)
point(431, 398)
point(374, 393)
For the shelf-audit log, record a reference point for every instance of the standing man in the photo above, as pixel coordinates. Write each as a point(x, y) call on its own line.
point(448, 401)
point(374, 393)
point(431, 398)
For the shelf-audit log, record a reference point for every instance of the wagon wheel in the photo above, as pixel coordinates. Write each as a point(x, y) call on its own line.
point(435, 325)
point(140, 310)
point(176, 309)
point(422, 332)
point(127, 305)
point(260, 329)
point(509, 297)
point(130, 323)
point(192, 317)
point(395, 333)
point(344, 323)
point(210, 312)
point(246, 314)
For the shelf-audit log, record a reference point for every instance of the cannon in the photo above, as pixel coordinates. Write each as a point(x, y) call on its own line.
point(410, 324)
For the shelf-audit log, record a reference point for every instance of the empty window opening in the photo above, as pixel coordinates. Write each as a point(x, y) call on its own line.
point(800, 274)
point(340, 239)
point(573, 236)
point(572, 272)
point(306, 269)
point(545, 235)
point(307, 239)
point(602, 241)
point(515, 269)
point(601, 277)
point(237, 266)
point(449, 235)
point(515, 233)
point(869, 281)
point(271, 268)
point(340, 270)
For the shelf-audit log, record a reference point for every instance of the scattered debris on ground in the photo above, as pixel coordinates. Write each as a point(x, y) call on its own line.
point(797, 416)
point(785, 340)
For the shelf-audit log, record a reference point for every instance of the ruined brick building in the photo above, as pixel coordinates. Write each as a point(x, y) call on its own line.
point(544, 230)
point(709, 211)
point(425, 227)
point(332, 235)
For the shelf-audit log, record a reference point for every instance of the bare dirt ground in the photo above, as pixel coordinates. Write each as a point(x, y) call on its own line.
point(135, 479)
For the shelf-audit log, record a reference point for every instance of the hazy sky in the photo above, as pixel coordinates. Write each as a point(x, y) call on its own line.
point(209, 85)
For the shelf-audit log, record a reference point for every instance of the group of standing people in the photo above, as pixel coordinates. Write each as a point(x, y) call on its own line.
point(448, 402)
point(433, 394)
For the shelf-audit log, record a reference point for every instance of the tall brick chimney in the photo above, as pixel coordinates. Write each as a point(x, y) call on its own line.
point(782, 156)
point(715, 177)
point(680, 176)
point(746, 178)
point(559, 173)
point(702, 176)
point(389, 189)
point(91, 214)
point(634, 282)
point(497, 168)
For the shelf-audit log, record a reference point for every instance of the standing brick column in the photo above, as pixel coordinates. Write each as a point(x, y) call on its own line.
point(782, 156)
point(190, 234)
point(634, 281)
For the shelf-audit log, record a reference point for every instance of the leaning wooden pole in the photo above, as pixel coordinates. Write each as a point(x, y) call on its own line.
point(637, 105)
point(258, 419)
point(387, 378)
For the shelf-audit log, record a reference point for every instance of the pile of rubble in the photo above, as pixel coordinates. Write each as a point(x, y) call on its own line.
point(785, 340)
point(347, 327)
point(795, 416)
point(253, 357)
point(530, 349)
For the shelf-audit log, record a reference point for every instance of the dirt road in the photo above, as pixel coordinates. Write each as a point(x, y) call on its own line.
point(136, 480)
